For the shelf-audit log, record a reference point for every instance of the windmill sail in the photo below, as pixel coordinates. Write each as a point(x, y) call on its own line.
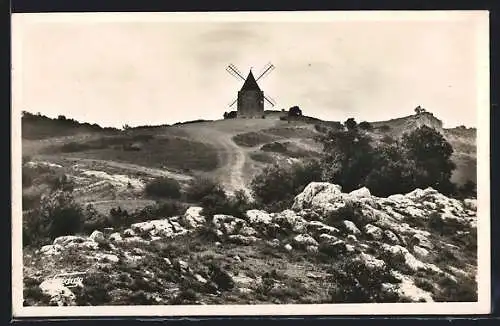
point(266, 70)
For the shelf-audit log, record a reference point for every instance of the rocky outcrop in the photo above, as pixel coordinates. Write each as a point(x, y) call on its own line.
point(391, 234)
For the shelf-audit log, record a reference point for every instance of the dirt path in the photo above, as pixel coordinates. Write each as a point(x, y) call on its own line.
point(232, 159)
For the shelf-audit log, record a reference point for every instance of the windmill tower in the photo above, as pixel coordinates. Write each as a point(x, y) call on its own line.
point(250, 100)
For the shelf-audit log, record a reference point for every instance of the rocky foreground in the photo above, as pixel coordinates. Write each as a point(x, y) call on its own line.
point(328, 247)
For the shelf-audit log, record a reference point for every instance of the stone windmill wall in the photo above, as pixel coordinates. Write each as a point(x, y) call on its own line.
point(250, 99)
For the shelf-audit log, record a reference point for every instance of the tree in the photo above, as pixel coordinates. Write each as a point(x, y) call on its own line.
point(276, 186)
point(294, 111)
point(432, 156)
point(350, 124)
point(348, 157)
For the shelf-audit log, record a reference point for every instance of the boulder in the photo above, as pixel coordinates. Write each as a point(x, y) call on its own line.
point(422, 241)
point(192, 218)
point(371, 262)
point(258, 217)
point(316, 195)
point(351, 227)
point(129, 233)
point(374, 232)
point(305, 240)
point(73, 241)
point(352, 238)
point(69, 239)
point(59, 294)
point(98, 237)
point(290, 220)
point(318, 227)
point(240, 239)
point(327, 238)
point(51, 250)
point(360, 193)
point(288, 247)
point(470, 204)
point(106, 257)
point(312, 249)
point(391, 237)
point(161, 228)
point(248, 231)
point(420, 252)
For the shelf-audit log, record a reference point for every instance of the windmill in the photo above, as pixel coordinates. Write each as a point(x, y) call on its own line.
point(250, 100)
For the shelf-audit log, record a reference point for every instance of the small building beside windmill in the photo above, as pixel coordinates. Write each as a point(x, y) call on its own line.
point(250, 99)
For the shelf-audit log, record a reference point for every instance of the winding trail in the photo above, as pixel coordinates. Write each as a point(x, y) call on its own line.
point(231, 157)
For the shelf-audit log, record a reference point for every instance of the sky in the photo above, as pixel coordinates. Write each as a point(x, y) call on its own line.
point(155, 71)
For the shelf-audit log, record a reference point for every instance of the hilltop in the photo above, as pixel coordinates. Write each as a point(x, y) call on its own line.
point(231, 150)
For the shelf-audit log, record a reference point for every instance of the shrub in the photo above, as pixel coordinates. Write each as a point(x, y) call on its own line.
point(163, 188)
point(350, 124)
point(230, 115)
point(384, 128)
point(356, 283)
point(95, 291)
point(200, 188)
point(57, 215)
point(276, 186)
point(61, 182)
point(274, 147)
point(219, 203)
point(294, 111)
point(365, 126)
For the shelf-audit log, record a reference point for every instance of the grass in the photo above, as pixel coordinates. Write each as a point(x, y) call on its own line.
point(251, 139)
point(262, 157)
point(171, 152)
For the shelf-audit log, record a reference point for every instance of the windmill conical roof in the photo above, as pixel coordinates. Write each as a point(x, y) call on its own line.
point(250, 83)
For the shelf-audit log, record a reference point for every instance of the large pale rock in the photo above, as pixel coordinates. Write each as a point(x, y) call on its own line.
point(317, 195)
point(371, 262)
point(98, 237)
point(59, 294)
point(228, 224)
point(305, 240)
point(51, 250)
point(193, 218)
point(72, 241)
point(327, 238)
point(69, 239)
point(409, 260)
point(318, 227)
point(360, 193)
point(290, 220)
point(161, 228)
point(420, 252)
point(240, 239)
point(470, 204)
point(100, 257)
point(248, 231)
point(374, 232)
point(351, 227)
point(258, 217)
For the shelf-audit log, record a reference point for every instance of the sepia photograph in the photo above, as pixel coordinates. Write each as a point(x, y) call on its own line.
point(271, 163)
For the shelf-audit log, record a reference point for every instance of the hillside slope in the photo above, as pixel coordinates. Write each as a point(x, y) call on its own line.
point(232, 151)
point(328, 247)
